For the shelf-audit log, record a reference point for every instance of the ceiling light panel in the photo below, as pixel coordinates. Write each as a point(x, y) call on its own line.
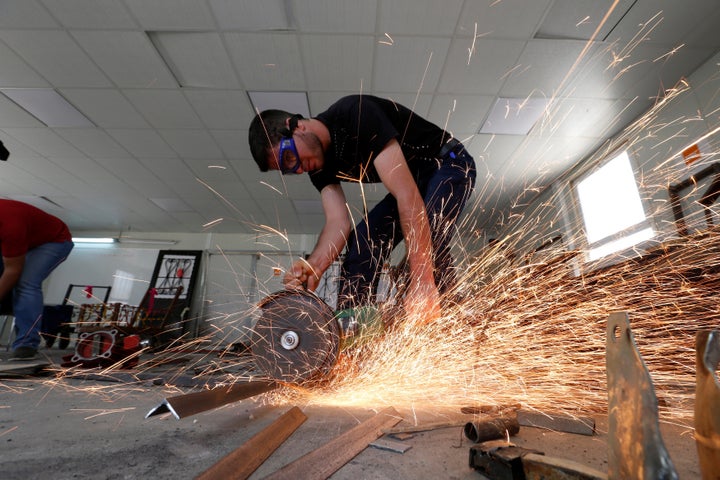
point(48, 106)
point(514, 116)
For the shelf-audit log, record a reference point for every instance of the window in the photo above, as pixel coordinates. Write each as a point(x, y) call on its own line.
point(612, 210)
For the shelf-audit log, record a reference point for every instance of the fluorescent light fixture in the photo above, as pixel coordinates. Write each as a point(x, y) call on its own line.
point(93, 240)
point(293, 102)
point(514, 116)
point(48, 106)
point(147, 241)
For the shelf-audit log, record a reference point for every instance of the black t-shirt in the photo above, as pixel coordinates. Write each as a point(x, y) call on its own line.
point(361, 125)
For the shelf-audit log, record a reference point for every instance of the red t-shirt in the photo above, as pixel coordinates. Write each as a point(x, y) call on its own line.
point(24, 227)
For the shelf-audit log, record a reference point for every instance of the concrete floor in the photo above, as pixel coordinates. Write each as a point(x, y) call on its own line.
point(88, 428)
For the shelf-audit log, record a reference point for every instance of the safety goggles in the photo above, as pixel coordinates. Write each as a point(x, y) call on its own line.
point(289, 158)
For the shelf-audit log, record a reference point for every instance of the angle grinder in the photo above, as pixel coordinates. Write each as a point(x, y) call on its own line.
point(298, 336)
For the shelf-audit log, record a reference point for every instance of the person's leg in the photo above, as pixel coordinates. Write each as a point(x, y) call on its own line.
point(445, 196)
point(27, 294)
point(369, 247)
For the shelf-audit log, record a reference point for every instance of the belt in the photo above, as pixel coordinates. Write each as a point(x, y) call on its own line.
point(451, 146)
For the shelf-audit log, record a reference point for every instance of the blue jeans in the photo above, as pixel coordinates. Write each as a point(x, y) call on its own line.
point(27, 293)
point(445, 194)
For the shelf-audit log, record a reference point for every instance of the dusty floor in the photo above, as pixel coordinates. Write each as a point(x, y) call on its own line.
point(90, 428)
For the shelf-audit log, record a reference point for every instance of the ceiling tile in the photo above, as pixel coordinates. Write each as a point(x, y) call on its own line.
point(56, 56)
point(164, 108)
point(544, 68)
point(233, 143)
point(197, 59)
point(507, 19)
point(105, 108)
point(420, 59)
point(582, 19)
point(191, 143)
point(411, 17)
point(172, 14)
point(142, 143)
point(460, 113)
point(15, 72)
point(44, 141)
point(169, 170)
point(128, 58)
point(93, 142)
point(13, 116)
point(335, 16)
point(337, 62)
point(482, 70)
point(251, 15)
point(85, 169)
point(267, 61)
point(109, 14)
point(25, 14)
point(221, 108)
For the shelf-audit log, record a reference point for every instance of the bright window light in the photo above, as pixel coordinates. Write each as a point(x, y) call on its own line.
point(621, 244)
point(610, 204)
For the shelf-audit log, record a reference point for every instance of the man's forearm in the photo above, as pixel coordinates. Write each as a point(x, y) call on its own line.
point(330, 244)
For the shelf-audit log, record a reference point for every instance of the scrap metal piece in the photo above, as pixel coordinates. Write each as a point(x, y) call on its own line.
point(501, 460)
point(492, 429)
point(182, 406)
point(296, 338)
point(244, 460)
point(635, 446)
point(707, 403)
point(328, 459)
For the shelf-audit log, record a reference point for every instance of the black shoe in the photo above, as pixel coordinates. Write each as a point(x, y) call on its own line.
point(24, 353)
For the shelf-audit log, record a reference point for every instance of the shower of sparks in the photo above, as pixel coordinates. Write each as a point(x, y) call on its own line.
point(389, 40)
point(523, 327)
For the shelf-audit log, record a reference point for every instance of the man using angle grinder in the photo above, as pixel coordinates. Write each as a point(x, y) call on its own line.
point(362, 138)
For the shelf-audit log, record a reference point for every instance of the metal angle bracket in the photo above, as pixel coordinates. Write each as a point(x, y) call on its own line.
point(635, 446)
point(707, 402)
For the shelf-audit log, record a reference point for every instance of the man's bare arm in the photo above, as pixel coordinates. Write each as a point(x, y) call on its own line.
point(395, 175)
point(330, 243)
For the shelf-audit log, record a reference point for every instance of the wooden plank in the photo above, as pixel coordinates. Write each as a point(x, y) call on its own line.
point(321, 463)
point(243, 461)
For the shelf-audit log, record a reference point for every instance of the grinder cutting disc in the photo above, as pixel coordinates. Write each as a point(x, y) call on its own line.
point(296, 338)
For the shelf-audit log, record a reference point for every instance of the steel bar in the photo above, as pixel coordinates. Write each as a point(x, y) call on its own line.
point(321, 463)
point(707, 403)
point(635, 446)
point(243, 461)
point(189, 404)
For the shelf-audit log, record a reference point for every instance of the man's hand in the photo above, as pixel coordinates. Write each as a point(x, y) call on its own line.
point(301, 276)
